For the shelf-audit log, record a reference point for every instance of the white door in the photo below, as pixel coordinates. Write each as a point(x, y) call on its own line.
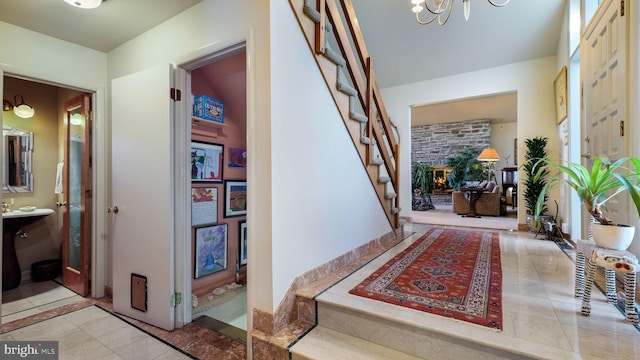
point(143, 192)
point(603, 73)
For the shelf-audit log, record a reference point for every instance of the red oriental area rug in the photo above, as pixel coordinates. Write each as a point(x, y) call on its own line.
point(452, 273)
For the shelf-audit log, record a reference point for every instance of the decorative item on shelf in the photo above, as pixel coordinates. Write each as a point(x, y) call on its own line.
point(533, 185)
point(595, 186)
point(441, 9)
point(207, 108)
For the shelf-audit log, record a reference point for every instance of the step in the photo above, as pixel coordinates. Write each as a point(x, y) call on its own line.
point(322, 343)
point(419, 334)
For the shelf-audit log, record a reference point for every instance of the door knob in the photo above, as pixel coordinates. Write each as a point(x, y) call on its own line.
point(61, 204)
point(586, 155)
point(112, 209)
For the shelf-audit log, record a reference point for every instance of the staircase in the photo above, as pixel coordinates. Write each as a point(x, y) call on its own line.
point(347, 69)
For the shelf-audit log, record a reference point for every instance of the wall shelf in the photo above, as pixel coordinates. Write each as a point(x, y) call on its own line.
point(205, 127)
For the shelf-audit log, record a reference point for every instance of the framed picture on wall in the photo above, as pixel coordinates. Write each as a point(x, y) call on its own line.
point(204, 205)
point(210, 250)
point(243, 243)
point(237, 157)
point(206, 162)
point(560, 93)
point(235, 198)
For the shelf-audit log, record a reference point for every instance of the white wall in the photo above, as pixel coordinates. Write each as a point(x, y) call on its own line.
point(532, 80)
point(323, 202)
point(502, 139)
point(45, 59)
point(304, 177)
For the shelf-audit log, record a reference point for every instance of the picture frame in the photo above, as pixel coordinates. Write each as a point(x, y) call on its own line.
point(204, 205)
point(237, 157)
point(207, 162)
point(560, 95)
point(242, 245)
point(235, 198)
point(210, 250)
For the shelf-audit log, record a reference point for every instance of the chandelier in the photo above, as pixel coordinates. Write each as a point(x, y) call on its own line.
point(441, 9)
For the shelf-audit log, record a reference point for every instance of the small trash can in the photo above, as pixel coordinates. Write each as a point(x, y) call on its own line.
point(45, 270)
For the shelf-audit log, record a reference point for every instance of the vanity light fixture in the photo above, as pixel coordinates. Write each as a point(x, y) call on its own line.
point(84, 4)
point(21, 108)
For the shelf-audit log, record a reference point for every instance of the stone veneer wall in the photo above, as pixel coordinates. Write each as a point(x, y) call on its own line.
point(434, 144)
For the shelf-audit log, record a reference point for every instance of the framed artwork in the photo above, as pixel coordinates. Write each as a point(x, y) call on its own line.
point(235, 198)
point(206, 162)
point(237, 158)
point(560, 95)
point(210, 250)
point(243, 243)
point(204, 205)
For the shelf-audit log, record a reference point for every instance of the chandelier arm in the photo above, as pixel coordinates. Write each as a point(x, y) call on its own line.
point(425, 22)
point(442, 7)
point(492, 2)
point(445, 19)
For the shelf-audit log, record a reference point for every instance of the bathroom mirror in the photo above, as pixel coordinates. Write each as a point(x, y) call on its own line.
point(17, 173)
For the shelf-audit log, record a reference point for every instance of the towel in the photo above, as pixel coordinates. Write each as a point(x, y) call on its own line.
point(59, 171)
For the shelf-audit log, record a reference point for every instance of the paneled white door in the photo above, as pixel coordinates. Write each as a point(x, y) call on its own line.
point(603, 50)
point(143, 192)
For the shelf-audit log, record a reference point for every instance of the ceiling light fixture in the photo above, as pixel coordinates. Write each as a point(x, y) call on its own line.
point(441, 9)
point(84, 4)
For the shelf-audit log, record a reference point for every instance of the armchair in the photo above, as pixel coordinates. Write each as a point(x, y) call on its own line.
point(488, 204)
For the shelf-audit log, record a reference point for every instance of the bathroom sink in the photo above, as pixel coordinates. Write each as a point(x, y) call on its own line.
point(11, 224)
point(20, 213)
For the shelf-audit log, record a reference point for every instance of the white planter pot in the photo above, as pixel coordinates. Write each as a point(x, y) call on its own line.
point(617, 237)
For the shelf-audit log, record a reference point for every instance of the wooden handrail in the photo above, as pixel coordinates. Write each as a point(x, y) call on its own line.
point(358, 66)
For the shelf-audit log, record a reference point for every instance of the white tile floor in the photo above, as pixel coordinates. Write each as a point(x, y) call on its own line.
point(541, 316)
point(33, 298)
point(92, 333)
point(540, 313)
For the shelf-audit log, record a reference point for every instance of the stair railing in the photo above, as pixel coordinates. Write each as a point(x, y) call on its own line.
point(383, 149)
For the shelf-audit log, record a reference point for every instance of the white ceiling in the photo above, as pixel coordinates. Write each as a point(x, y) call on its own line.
point(104, 28)
point(402, 51)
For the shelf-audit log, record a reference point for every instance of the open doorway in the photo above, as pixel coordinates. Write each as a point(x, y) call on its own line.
point(443, 130)
point(218, 187)
point(33, 261)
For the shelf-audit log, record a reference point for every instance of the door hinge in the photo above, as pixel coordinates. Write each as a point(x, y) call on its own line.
point(621, 7)
point(622, 128)
point(176, 94)
point(176, 299)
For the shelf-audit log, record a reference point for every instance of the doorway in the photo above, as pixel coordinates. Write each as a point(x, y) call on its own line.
point(43, 243)
point(219, 282)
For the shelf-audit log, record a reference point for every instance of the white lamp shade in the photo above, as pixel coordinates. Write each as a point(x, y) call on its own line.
point(24, 111)
point(84, 4)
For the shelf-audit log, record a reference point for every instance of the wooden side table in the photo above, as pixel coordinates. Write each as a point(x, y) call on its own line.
point(472, 194)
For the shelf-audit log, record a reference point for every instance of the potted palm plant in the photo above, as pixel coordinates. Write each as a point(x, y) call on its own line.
point(536, 179)
point(595, 187)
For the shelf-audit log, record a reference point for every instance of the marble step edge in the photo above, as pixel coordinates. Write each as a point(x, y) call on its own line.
point(427, 338)
point(323, 343)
